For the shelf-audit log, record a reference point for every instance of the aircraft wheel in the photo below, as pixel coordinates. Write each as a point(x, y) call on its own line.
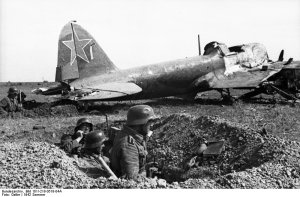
point(228, 99)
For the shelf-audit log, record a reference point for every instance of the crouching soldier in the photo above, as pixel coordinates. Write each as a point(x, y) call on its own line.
point(93, 149)
point(72, 144)
point(94, 143)
point(128, 154)
point(10, 103)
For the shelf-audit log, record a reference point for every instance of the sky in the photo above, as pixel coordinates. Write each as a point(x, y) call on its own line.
point(139, 32)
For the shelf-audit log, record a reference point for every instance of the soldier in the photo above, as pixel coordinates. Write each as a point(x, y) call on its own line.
point(90, 156)
point(94, 142)
point(10, 103)
point(73, 143)
point(128, 154)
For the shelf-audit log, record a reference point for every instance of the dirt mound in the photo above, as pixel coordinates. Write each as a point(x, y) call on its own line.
point(32, 165)
point(42, 165)
point(33, 110)
point(178, 137)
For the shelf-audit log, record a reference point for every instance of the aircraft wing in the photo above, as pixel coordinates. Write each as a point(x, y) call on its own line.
point(111, 90)
point(250, 78)
point(241, 79)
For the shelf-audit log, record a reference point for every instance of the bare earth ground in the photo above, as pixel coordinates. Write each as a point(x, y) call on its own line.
point(262, 143)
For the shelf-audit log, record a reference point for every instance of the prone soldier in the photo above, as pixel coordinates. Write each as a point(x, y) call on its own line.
point(93, 148)
point(10, 103)
point(128, 154)
point(94, 144)
point(72, 144)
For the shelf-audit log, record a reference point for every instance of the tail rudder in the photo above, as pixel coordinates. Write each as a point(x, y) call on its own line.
point(79, 55)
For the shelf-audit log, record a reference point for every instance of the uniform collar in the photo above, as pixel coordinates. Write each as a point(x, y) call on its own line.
point(137, 136)
point(11, 98)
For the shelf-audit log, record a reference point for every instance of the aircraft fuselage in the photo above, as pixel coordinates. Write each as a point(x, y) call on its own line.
point(161, 79)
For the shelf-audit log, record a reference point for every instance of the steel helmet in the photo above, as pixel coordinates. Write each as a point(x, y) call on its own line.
point(140, 114)
point(12, 90)
point(94, 139)
point(82, 121)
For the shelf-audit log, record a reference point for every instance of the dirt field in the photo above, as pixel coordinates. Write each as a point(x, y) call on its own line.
point(262, 143)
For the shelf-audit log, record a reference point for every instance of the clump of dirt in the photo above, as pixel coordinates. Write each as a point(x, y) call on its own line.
point(40, 110)
point(65, 110)
point(34, 109)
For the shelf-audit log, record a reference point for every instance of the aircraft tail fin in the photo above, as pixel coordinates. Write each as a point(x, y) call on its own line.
point(79, 55)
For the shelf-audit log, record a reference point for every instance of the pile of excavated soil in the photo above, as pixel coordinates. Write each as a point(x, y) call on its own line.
point(38, 165)
point(35, 110)
point(66, 108)
point(250, 159)
point(42, 165)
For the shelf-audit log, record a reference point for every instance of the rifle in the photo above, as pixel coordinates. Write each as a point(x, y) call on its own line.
point(20, 96)
point(100, 160)
point(106, 119)
point(111, 131)
point(20, 105)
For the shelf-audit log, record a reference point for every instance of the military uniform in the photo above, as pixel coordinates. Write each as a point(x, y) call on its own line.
point(94, 142)
point(70, 145)
point(128, 155)
point(8, 105)
point(69, 142)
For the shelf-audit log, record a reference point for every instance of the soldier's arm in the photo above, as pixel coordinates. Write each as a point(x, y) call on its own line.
point(23, 96)
point(69, 145)
point(129, 161)
point(3, 112)
point(19, 107)
point(3, 105)
point(20, 101)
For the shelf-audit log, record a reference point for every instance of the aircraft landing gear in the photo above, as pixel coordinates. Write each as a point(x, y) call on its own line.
point(270, 89)
point(225, 95)
point(251, 94)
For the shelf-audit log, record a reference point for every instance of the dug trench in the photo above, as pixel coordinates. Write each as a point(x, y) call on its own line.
point(177, 139)
point(249, 158)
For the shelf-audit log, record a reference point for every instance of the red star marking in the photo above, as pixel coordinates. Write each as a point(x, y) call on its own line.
point(79, 49)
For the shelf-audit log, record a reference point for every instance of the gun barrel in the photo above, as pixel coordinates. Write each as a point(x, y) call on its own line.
point(106, 119)
point(106, 167)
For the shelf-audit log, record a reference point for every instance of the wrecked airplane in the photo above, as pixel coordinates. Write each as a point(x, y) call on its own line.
point(86, 74)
